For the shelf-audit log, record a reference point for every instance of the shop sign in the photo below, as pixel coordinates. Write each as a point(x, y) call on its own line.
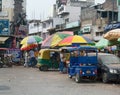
point(73, 24)
point(86, 29)
point(4, 27)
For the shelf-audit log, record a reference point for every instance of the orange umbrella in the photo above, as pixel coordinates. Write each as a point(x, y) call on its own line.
point(28, 46)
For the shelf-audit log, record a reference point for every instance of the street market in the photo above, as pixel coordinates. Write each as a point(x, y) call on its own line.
point(74, 50)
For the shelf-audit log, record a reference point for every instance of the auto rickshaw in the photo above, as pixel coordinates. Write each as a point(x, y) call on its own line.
point(48, 58)
point(83, 63)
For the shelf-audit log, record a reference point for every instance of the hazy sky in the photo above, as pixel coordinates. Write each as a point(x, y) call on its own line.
point(41, 9)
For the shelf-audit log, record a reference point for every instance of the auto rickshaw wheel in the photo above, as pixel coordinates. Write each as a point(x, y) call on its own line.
point(43, 68)
point(77, 78)
point(104, 78)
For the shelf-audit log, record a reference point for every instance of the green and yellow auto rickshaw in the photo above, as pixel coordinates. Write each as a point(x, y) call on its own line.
point(48, 58)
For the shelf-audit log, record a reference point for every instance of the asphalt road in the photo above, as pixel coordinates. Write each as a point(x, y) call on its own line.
point(30, 81)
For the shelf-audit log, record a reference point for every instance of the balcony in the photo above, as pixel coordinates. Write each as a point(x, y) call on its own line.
point(63, 10)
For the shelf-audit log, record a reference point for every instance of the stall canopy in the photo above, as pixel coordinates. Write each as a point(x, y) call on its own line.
point(102, 43)
point(3, 39)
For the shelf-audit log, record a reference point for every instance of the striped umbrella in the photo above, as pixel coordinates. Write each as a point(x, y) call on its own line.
point(31, 40)
point(75, 39)
point(54, 39)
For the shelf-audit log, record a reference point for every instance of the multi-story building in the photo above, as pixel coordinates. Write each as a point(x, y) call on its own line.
point(95, 19)
point(70, 11)
point(35, 27)
point(44, 28)
point(6, 16)
point(66, 16)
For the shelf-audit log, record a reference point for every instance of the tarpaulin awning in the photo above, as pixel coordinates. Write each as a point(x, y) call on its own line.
point(3, 39)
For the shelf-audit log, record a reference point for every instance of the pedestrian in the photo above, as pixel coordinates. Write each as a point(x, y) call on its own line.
point(33, 60)
point(62, 65)
point(26, 59)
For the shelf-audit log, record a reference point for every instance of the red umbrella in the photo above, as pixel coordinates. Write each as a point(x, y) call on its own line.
point(28, 46)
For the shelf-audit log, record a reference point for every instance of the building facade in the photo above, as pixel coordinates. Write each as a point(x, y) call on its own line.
point(95, 18)
point(70, 11)
point(10, 22)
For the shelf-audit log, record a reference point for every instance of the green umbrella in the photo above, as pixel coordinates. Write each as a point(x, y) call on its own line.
point(118, 40)
point(102, 43)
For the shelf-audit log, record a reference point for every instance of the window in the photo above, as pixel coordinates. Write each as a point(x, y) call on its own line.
point(99, 33)
point(66, 20)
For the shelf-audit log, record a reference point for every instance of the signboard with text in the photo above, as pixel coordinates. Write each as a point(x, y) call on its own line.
point(4, 27)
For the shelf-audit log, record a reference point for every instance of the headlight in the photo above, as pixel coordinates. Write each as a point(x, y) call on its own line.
point(113, 71)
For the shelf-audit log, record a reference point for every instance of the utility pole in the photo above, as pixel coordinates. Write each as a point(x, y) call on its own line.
point(118, 4)
point(112, 12)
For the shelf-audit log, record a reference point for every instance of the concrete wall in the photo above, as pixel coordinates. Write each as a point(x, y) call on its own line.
point(75, 13)
point(7, 10)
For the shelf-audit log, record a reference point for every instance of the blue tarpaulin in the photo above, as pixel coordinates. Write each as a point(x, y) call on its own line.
point(111, 26)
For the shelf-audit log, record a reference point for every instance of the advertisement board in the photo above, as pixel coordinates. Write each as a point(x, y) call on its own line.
point(16, 54)
point(4, 27)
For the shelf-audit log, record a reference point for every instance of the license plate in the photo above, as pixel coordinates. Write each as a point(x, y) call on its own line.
point(88, 72)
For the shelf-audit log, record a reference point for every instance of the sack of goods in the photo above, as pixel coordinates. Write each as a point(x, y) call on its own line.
point(112, 35)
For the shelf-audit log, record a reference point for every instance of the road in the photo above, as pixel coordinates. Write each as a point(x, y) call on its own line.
point(30, 81)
